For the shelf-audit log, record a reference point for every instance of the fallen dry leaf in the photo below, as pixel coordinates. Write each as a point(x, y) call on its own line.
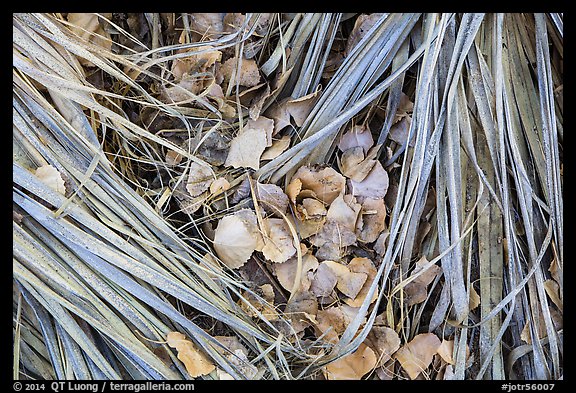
point(332, 322)
point(384, 341)
point(207, 24)
point(372, 217)
point(200, 59)
point(219, 185)
point(247, 147)
point(87, 26)
point(354, 165)
point(293, 190)
point(399, 132)
point(416, 290)
point(286, 272)
point(195, 361)
point(51, 177)
point(273, 198)
point(416, 356)
point(363, 24)
point(264, 306)
point(236, 237)
point(405, 108)
point(173, 158)
point(445, 351)
point(278, 243)
point(199, 179)
point(474, 298)
point(349, 283)
point(357, 136)
point(553, 291)
point(362, 265)
point(324, 281)
point(237, 354)
point(249, 74)
point(278, 147)
point(325, 183)
point(302, 311)
point(375, 185)
point(312, 209)
point(352, 366)
point(300, 108)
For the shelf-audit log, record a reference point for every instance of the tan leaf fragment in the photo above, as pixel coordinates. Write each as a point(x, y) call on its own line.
point(263, 305)
point(326, 183)
point(173, 158)
point(312, 209)
point(349, 283)
point(405, 108)
point(445, 351)
point(278, 243)
point(357, 136)
point(190, 204)
point(352, 366)
point(286, 272)
point(51, 177)
point(301, 107)
point(279, 113)
point(354, 165)
point(375, 185)
point(249, 74)
point(199, 179)
point(200, 59)
point(88, 27)
point(474, 298)
point(416, 291)
point(332, 322)
point(272, 197)
point(247, 147)
point(399, 132)
point(363, 24)
point(302, 311)
point(553, 291)
point(324, 281)
point(207, 24)
point(372, 216)
point(235, 239)
point(293, 190)
point(237, 354)
point(219, 185)
point(196, 362)
point(362, 265)
point(416, 356)
point(384, 341)
point(278, 147)
point(214, 92)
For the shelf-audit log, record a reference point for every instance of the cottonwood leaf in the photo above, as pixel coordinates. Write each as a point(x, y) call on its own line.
point(363, 24)
point(416, 290)
point(349, 283)
point(302, 311)
point(273, 198)
point(207, 24)
point(373, 219)
point(249, 75)
point(354, 165)
point(247, 147)
point(219, 185)
point(88, 27)
point(352, 366)
point(51, 177)
point(195, 62)
point(324, 281)
point(384, 341)
point(278, 243)
point(416, 356)
point(196, 362)
point(366, 266)
point(236, 238)
point(553, 291)
point(358, 136)
point(399, 132)
point(286, 272)
point(278, 147)
point(325, 183)
point(375, 185)
point(199, 179)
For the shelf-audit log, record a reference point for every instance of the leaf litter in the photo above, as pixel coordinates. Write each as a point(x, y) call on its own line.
point(348, 228)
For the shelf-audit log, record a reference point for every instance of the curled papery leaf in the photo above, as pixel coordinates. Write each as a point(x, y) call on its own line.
point(286, 272)
point(273, 198)
point(248, 76)
point(325, 183)
point(236, 237)
point(278, 243)
point(207, 24)
point(385, 342)
point(324, 281)
point(363, 24)
point(51, 177)
point(362, 265)
point(349, 283)
point(199, 179)
point(358, 136)
point(199, 60)
point(247, 147)
point(219, 185)
point(278, 147)
point(332, 322)
point(352, 366)
point(195, 361)
point(302, 310)
point(354, 165)
point(372, 216)
point(416, 356)
point(375, 185)
point(416, 290)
